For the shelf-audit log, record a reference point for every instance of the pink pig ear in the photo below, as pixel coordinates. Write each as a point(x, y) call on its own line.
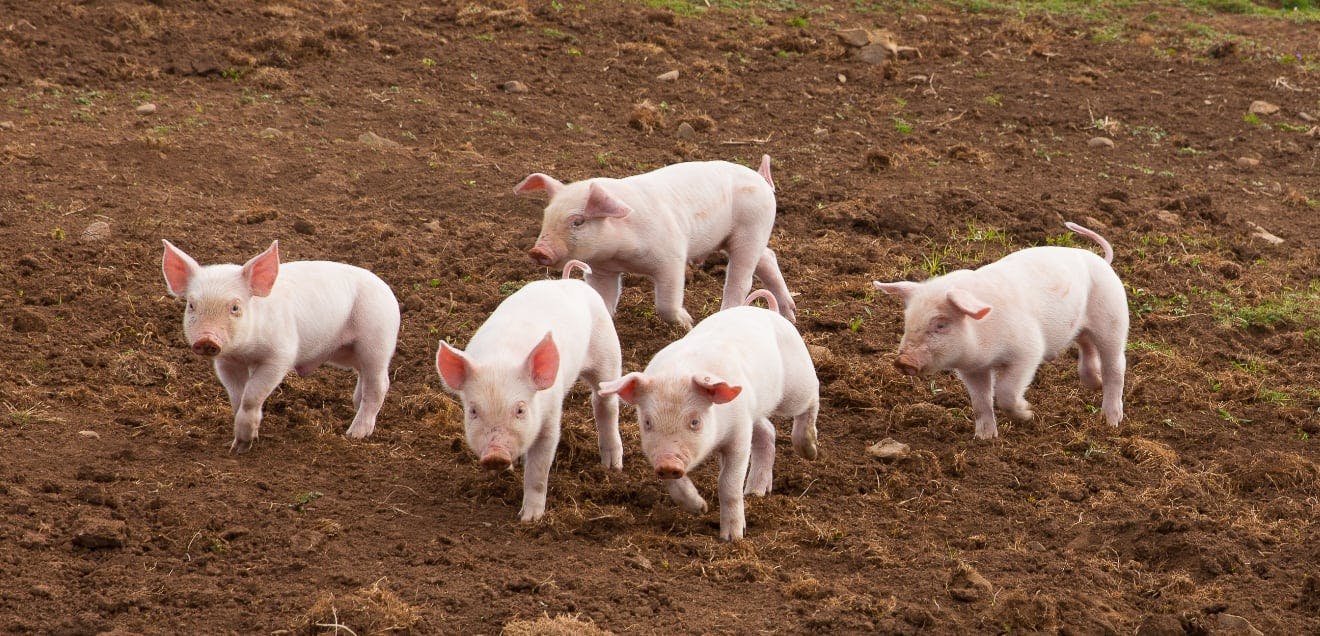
point(543, 363)
point(625, 387)
point(714, 389)
point(902, 289)
point(968, 303)
point(452, 365)
point(179, 268)
point(536, 182)
point(260, 272)
point(603, 204)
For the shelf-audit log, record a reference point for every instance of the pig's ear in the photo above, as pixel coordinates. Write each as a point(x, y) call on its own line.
point(625, 387)
point(260, 272)
point(536, 182)
point(968, 303)
point(452, 365)
point(902, 289)
point(179, 268)
point(602, 204)
point(543, 363)
point(714, 389)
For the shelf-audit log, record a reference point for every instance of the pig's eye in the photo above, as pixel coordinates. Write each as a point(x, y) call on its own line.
point(940, 326)
point(521, 410)
point(695, 424)
point(190, 306)
point(577, 221)
point(235, 309)
point(472, 412)
point(646, 425)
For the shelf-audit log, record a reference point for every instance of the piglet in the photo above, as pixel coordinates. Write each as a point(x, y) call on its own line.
point(516, 370)
point(714, 391)
point(260, 320)
point(654, 224)
point(995, 325)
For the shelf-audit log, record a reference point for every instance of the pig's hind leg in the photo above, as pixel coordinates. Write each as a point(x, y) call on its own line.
point(760, 471)
point(804, 430)
point(373, 382)
point(1088, 362)
point(604, 366)
point(1113, 366)
point(738, 275)
point(767, 269)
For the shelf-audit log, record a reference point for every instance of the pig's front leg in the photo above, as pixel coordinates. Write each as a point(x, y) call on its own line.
point(234, 377)
point(607, 284)
point(247, 417)
point(536, 468)
point(733, 473)
point(760, 472)
point(1010, 388)
point(669, 295)
point(981, 389)
point(685, 493)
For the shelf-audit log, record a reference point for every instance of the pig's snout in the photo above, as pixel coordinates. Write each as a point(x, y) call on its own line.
point(669, 467)
point(206, 346)
point(541, 255)
point(906, 365)
point(496, 459)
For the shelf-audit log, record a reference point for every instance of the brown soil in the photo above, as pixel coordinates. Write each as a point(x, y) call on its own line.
point(122, 509)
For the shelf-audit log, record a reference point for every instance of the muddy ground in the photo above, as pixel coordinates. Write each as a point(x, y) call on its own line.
point(386, 134)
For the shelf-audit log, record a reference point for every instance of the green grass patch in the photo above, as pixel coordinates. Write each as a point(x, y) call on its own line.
point(1284, 308)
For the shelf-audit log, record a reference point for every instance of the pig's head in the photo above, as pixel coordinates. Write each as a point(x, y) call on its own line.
point(939, 325)
point(576, 221)
point(500, 417)
point(676, 414)
point(219, 296)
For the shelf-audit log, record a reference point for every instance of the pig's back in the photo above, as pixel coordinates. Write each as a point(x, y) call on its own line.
point(569, 308)
point(330, 301)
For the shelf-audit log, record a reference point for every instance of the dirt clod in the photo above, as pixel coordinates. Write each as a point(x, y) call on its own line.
point(96, 534)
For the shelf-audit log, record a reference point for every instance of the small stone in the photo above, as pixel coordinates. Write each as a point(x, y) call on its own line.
point(433, 226)
point(303, 226)
point(376, 141)
point(1260, 107)
point(6, 125)
point(28, 321)
point(686, 131)
point(1247, 162)
point(95, 231)
point(1166, 216)
point(889, 450)
point(854, 37)
point(1306, 117)
point(920, 18)
point(41, 591)
point(820, 355)
point(145, 109)
point(270, 133)
point(918, 79)
point(1035, 546)
point(667, 76)
point(968, 585)
point(873, 54)
point(843, 79)
point(514, 86)
point(1256, 231)
point(1094, 223)
point(89, 434)
point(1100, 142)
point(94, 534)
point(1233, 624)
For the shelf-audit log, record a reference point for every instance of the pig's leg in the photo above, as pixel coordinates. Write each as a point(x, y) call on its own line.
point(373, 382)
point(247, 417)
point(685, 493)
point(604, 365)
point(607, 284)
point(669, 295)
point(1113, 364)
point(1088, 361)
point(980, 388)
point(1010, 389)
point(767, 269)
point(233, 376)
point(733, 473)
point(536, 467)
point(760, 472)
point(804, 430)
point(738, 276)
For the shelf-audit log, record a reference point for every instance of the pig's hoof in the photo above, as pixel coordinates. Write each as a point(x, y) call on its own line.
point(240, 446)
point(987, 432)
point(698, 507)
point(531, 516)
point(1022, 415)
point(731, 535)
point(359, 431)
point(806, 450)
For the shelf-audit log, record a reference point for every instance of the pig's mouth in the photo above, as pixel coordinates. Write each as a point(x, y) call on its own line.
point(907, 366)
